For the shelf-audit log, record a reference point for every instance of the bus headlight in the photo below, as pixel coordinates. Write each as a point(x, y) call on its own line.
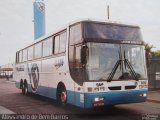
point(143, 95)
point(98, 99)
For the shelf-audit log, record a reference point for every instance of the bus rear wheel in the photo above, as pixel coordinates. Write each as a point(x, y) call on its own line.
point(25, 88)
point(22, 87)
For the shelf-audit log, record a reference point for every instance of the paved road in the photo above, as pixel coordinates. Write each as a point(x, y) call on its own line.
point(12, 99)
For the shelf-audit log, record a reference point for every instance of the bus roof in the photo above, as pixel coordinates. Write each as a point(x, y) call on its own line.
point(83, 21)
point(80, 21)
point(103, 22)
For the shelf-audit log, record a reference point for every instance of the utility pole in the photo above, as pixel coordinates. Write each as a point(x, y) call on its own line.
point(108, 15)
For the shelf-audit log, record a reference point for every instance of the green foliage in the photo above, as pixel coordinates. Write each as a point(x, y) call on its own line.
point(150, 53)
point(148, 47)
point(156, 54)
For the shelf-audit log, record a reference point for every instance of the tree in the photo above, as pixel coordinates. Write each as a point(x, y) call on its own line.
point(148, 49)
point(156, 54)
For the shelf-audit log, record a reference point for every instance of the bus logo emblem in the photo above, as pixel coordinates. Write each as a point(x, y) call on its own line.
point(34, 77)
point(99, 84)
point(59, 63)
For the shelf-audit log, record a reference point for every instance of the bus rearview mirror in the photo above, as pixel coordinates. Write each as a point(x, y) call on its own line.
point(84, 54)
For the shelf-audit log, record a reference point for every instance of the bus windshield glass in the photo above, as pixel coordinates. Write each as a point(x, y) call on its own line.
point(101, 32)
point(107, 59)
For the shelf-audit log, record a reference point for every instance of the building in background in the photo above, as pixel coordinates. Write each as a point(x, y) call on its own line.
point(6, 71)
point(154, 74)
point(39, 19)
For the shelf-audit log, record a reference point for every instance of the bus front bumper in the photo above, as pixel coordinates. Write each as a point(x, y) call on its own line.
point(114, 98)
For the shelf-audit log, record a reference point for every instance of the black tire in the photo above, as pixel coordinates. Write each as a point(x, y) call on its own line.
point(21, 84)
point(25, 88)
point(22, 88)
point(62, 96)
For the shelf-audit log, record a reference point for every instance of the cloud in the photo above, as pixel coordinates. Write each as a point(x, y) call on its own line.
point(16, 26)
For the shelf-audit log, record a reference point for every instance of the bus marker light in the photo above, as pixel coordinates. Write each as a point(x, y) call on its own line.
point(97, 99)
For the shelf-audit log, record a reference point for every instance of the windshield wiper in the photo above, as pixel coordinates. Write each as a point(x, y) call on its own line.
point(120, 62)
point(126, 62)
point(111, 75)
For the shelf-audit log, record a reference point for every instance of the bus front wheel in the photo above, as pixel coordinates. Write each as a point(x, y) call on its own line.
point(62, 96)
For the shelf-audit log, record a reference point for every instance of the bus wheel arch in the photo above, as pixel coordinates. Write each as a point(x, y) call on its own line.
point(61, 94)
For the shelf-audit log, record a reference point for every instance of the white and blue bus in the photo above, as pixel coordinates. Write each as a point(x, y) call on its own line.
point(87, 64)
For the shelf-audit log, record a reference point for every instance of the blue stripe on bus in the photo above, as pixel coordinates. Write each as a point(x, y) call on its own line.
point(118, 97)
point(111, 98)
point(72, 97)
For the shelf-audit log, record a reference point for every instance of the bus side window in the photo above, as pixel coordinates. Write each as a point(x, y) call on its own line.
point(47, 47)
point(30, 53)
point(75, 34)
point(17, 57)
point(56, 45)
point(63, 39)
point(53, 44)
point(20, 56)
point(60, 43)
point(78, 57)
point(38, 50)
point(25, 52)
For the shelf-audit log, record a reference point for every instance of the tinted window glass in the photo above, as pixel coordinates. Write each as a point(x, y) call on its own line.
point(56, 47)
point(38, 50)
point(25, 55)
point(47, 47)
point(111, 31)
point(17, 57)
point(75, 34)
point(20, 56)
point(30, 53)
point(63, 38)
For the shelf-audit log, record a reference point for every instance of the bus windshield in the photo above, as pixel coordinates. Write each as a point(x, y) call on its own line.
point(103, 62)
point(115, 52)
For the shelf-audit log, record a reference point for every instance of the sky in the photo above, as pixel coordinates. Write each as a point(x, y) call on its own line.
point(16, 19)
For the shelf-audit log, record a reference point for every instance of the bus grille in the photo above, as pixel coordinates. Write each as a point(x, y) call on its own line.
point(115, 88)
point(130, 87)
